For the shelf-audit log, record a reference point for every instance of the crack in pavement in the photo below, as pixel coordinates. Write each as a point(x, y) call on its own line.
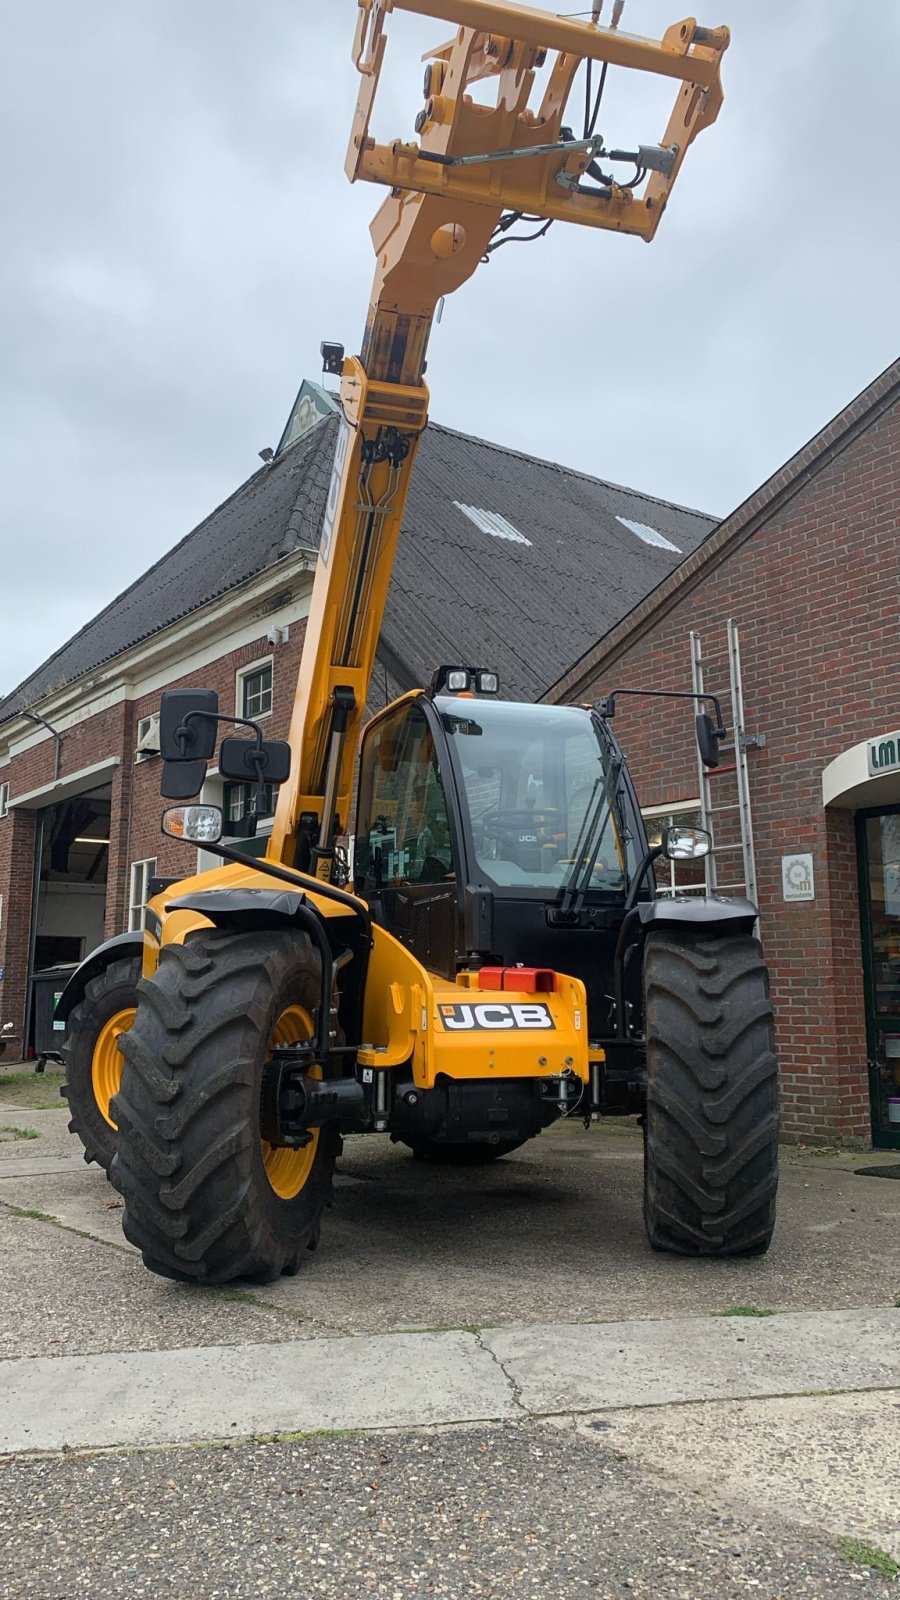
point(514, 1387)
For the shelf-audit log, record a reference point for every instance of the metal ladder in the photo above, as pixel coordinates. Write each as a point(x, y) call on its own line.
point(727, 841)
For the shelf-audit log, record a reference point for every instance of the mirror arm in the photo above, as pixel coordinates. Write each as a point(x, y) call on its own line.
point(182, 732)
point(607, 706)
point(644, 865)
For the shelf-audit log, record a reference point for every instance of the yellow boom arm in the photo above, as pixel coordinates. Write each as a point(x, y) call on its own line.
point(472, 168)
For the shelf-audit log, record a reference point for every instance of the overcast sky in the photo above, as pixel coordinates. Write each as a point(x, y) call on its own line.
point(179, 236)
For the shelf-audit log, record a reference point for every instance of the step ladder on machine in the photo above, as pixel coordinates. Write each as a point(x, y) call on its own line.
point(728, 821)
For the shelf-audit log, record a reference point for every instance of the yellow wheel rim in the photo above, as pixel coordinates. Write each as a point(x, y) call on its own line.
point(289, 1170)
point(106, 1062)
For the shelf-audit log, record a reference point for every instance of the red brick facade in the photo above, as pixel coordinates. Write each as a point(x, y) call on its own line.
point(810, 570)
point(135, 800)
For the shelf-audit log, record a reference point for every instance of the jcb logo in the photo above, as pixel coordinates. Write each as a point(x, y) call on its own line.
point(334, 490)
point(495, 1014)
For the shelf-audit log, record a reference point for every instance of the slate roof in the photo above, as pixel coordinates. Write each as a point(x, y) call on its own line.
point(527, 606)
point(820, 451)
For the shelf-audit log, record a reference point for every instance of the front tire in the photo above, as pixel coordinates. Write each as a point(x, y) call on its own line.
point(92, 1054)
point(711, 1134)
point(206, 1199)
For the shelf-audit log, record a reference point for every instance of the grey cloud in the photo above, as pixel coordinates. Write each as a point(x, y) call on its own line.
point(179, 235)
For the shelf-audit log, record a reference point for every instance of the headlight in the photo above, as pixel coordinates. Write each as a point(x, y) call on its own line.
point(199, 824)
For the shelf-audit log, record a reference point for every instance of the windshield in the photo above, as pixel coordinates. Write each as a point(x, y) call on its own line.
point(533, 778)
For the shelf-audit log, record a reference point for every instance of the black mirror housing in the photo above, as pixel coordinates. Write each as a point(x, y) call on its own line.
point(181, 780)
point(247, 761)
point(190, 714)
point(707, 741)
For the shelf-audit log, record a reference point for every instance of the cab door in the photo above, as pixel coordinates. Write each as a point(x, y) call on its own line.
point(406, 859)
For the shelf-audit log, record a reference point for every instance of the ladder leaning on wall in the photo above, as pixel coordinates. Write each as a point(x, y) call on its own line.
point(728, 822)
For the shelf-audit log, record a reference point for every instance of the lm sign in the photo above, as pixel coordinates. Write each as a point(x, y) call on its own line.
point(883, 755)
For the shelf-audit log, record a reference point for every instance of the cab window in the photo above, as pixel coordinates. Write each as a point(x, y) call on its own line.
point(403, 825)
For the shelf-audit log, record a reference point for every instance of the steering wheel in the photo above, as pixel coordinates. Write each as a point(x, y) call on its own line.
point(499, 820)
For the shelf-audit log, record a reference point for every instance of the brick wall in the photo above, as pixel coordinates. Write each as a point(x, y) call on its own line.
point(814, 591)
point(135, 799)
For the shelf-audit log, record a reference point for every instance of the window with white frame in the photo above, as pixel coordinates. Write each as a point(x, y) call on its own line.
point(141, 873)
point(147, 742)
point(237, 799)
point(254, 691)
point(4, 799)
point(675, 877)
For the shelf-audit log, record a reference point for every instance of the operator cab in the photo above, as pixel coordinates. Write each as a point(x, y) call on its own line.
point(489, 829)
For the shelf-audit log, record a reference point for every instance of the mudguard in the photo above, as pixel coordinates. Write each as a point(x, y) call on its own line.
point(123, 944)
point(245, 908)
point(699, 914)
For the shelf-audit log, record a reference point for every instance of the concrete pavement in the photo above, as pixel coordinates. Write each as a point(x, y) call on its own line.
point(584, 1417)
point(420, 1379)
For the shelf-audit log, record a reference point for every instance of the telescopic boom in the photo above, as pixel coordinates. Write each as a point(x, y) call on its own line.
point(460, 188)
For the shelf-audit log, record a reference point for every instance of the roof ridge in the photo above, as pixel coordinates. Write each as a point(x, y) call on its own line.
point(571, 472)
point(98, 616)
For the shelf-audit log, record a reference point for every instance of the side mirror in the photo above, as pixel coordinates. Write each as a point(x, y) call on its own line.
point(181, 779)
point(686, 844)
point(187, 724)
point(187, 739)
point(246, 760)
point(707, 740)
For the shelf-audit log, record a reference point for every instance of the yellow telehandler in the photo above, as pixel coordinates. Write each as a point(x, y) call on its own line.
point(497, 956)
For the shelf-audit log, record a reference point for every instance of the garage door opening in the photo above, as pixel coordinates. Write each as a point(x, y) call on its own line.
point(71, 869)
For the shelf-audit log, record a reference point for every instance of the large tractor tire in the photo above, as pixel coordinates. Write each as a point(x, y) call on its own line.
point(476, 1154)
point(206, 1198)
point(711, 1134)
point(92, 1054)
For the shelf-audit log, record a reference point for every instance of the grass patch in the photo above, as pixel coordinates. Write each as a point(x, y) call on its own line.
point(746, 1311)
point(868, 1555)
point(36, 1216)
point(18, 1133)
point(228, 1291)
point(37, 1091)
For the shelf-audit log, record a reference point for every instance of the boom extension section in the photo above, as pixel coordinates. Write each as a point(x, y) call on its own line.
point(472, 173)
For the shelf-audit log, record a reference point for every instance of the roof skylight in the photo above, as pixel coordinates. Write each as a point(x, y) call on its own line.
point(491, 522)
point(649, 535)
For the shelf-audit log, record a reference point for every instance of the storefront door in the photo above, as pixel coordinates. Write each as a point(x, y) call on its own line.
point(878, 845)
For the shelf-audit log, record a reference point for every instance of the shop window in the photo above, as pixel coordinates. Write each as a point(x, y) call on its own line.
point(4, 799)
point(675, 877)
point(141, 873)
point(254, 697)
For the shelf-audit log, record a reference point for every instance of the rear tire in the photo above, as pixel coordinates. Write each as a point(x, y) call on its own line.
point(93, 1059)
point(205, 1199)
point(711, 1135)
point(477, 1154)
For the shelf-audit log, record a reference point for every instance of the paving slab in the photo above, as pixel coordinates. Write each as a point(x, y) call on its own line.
point(51, 1127)
point(553, 1233)
point(146, 1396)
point(824, 1460)
point(61, 1294)
point(152, 1396)
point(559, 1368)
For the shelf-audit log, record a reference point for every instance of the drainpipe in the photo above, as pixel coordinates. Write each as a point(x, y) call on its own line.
point(32, 934)
point(34, 716)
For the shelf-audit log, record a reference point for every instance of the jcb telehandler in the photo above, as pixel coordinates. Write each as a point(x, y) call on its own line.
point(502, 959)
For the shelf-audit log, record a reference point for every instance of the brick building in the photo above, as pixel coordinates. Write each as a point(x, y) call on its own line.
point(809, 568)
point(226, 608)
